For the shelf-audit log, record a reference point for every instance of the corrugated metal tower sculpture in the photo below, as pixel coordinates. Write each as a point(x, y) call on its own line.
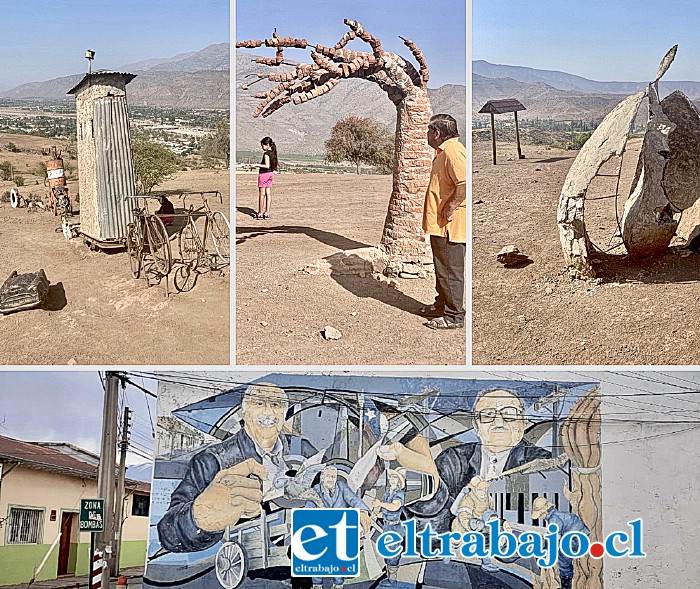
point(105, 159)
point(407, 87)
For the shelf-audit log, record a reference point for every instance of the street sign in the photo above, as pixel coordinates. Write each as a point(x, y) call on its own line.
point(92, 515)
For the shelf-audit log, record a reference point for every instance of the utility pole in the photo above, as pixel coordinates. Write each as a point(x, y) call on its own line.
point(104, 541)
point(123, 447)
point(555, 428)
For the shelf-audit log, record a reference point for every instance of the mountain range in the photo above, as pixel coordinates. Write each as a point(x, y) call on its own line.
point(564, 81)
point(557, 95)
point(197, 79)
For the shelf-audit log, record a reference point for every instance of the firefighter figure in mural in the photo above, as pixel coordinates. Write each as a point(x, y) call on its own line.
point(566, 522)
point(390, 509)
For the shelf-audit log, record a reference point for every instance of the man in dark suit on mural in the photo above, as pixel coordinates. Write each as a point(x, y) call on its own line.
point(499, 422)
point(223, 483)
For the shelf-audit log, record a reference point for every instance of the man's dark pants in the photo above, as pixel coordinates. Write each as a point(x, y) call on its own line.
point(448, 258)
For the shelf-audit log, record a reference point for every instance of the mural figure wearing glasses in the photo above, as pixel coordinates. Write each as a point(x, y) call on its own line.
point(499, 423)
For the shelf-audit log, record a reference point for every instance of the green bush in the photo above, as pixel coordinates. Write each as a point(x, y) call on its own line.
point(153, 163)
point(19, 181)
point(6, 170)
point(580, 139)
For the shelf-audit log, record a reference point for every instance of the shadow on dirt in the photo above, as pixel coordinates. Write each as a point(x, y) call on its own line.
point(368, 287)
point(673, 266)
point(56, 298)
point(332, 239)
point(553, 160)
point(246, 211)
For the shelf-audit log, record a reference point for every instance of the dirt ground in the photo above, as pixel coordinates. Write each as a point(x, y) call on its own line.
point(96, 313)
point(635, 312)
point(281, 311)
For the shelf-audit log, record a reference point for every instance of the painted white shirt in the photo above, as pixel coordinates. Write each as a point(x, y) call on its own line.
point(492, 463)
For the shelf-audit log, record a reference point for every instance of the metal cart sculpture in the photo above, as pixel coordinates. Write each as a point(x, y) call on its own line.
point(203, 239)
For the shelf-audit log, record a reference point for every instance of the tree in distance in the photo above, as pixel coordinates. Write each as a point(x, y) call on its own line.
point(217, 146)
point(361, 140)
point(153, 163)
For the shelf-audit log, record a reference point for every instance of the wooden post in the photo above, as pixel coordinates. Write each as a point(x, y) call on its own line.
point(493, 139)
point(517, 136)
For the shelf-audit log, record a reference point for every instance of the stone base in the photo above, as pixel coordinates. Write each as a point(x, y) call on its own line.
point(368, 261)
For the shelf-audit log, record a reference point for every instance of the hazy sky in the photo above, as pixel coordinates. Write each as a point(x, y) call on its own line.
point(437, 27)
point(45, 39)
point(620, 40)
point(66, 406)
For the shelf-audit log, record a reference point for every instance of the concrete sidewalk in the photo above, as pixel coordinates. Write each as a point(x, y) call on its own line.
point(133, 577)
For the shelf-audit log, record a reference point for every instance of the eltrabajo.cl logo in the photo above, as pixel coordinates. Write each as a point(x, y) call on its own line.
point(325, 542)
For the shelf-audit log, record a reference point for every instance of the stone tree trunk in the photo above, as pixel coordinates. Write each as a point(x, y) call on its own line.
point(580, 436)
point(402, 243)
point(402, 238)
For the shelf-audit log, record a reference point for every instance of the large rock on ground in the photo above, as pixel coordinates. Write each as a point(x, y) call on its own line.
point(647, 222)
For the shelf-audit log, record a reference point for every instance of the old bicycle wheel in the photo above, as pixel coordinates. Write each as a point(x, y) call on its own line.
point(221, 235)
point(158, 244)
point(190, 245)
point(134, 248)
point(231, 565)
point(185, 278)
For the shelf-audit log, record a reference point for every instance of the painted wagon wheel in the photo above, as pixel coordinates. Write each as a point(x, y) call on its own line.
point(221, 235)
point(231, 565)
point(135, 249)
point(189, 245)
point(158, 244)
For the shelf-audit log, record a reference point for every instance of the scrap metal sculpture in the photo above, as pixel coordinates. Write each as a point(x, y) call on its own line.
point(402, 238)
point(23, 291)
point(666, 182)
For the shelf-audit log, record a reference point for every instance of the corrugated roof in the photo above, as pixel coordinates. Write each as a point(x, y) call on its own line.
point(37, 455)
point(100, 73)
point(498, 107)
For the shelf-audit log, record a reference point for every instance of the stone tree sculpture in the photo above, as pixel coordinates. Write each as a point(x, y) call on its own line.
point(402, 244)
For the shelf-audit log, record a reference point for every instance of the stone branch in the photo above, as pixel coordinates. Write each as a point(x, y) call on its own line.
point(420, 58)
point(331, 64)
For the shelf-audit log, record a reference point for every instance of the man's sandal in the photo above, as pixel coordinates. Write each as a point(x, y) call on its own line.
point(442, 323)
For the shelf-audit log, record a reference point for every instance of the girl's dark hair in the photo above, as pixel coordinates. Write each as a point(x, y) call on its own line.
point(273, 152)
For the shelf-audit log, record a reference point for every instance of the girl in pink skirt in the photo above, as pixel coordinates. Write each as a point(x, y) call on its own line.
point(267, 167)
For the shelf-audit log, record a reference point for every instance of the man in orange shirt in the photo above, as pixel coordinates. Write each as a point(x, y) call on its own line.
point(445, 220)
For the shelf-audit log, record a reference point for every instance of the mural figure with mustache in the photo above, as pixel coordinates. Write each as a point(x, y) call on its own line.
point(224, 482)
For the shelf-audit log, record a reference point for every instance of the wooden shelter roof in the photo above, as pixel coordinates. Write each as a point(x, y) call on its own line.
point(498, 107)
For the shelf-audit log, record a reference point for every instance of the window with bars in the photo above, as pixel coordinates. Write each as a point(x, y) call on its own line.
point(24, 525)
point(139, 505)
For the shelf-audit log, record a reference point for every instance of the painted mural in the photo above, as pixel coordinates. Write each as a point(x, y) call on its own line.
point(455, 453)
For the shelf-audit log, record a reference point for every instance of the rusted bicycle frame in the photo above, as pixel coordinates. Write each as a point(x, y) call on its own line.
point(148, 244)
point(192, 243)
